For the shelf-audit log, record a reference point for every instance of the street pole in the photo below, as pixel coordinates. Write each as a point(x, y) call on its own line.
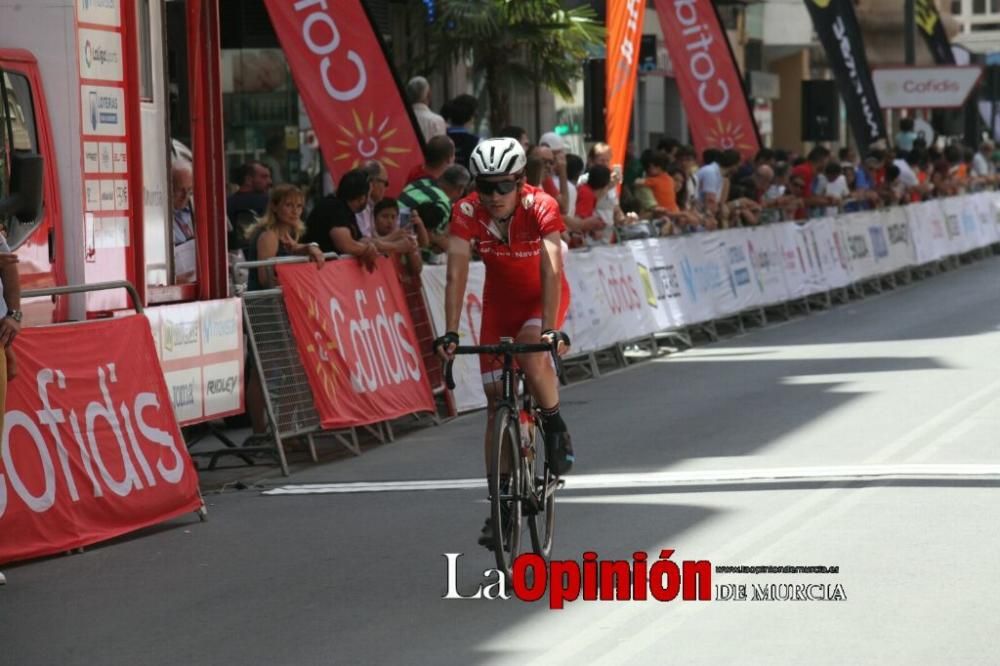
point(994, 91)
point(909, 28)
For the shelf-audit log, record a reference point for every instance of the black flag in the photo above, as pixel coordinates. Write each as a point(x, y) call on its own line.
point(930, 26)
point(838, 31)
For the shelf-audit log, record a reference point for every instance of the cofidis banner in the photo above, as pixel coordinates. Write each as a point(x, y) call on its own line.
point(348, 87)
point(357, 342)
point(707, 77)
point(837, 28)
point(623, 36)
point(91, 449)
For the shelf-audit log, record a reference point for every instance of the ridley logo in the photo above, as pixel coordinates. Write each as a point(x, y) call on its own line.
point(219, 386)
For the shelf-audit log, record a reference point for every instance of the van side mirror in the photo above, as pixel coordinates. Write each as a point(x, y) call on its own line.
point(25, 200)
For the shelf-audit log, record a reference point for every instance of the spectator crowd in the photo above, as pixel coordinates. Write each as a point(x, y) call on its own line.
point(664, 190)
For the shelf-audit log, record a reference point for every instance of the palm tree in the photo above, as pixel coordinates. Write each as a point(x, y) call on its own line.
point(516, 41)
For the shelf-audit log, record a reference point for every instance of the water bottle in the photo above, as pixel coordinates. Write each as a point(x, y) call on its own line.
point(527, 441)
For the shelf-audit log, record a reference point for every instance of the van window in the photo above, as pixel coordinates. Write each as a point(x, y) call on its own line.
point(19, 117)
point(20, 112)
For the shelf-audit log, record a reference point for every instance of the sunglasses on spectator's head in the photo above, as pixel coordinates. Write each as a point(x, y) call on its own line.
point(498, 187)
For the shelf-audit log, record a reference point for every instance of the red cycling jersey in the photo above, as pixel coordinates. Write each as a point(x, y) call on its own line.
point(512, 293)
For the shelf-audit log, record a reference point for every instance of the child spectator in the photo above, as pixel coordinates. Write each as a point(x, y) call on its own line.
point(402, 247)
point(659, 182)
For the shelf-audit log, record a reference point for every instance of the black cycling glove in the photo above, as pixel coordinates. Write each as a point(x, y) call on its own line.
point(446, 340)
point(557, 336)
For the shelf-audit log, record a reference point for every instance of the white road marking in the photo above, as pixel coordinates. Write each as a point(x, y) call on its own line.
point(672, 479)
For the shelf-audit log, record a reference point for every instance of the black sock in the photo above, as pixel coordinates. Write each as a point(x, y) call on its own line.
point(551, 419)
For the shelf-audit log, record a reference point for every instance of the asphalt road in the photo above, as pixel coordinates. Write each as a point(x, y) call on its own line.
point(865, 437)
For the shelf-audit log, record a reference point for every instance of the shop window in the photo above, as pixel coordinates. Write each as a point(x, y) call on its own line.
point(261, 111)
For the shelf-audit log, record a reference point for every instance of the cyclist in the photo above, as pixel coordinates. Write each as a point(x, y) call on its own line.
point(515, 228)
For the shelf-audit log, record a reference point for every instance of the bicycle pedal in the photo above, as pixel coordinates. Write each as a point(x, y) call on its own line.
point(560, 483)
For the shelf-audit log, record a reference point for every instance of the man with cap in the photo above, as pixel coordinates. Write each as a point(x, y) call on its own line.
point(555, 183)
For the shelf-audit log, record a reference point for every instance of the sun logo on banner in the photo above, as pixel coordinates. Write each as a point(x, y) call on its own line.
point(367, 142)
point(322, 347)
point(726, 135)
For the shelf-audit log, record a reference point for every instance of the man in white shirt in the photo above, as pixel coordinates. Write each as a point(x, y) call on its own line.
point(182, 186)
point(981, 165)
point(566, 193)
point(907, 177)
point(418, 93)
point(607, 206)
point(709, 180)
point(378, 178)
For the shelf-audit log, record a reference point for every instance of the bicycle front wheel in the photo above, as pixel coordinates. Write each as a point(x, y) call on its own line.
point(505, 488)
point(542, 520)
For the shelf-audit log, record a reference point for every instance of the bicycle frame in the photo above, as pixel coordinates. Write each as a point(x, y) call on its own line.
point(522, 457)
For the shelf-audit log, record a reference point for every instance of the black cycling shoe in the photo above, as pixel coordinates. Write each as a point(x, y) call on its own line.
point(486, 535)
point(559, 452)
point(487, 539)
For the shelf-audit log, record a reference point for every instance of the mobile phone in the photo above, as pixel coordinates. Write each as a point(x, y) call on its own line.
point(404, 218)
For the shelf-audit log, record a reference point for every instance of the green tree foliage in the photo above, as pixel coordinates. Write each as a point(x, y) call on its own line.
point(516, 42)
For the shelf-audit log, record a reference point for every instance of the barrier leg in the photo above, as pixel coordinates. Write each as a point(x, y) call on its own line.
point(312, 447)
point(595, 368)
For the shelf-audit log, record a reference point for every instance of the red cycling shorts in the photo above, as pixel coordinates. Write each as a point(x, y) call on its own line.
point(506, 319)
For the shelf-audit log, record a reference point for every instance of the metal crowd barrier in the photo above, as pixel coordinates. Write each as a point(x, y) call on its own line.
point(86, 288)
point(288, 399)
point(593, 363)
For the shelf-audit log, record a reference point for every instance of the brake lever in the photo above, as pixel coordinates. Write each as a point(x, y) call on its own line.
point(557, 363)
point(449, 380)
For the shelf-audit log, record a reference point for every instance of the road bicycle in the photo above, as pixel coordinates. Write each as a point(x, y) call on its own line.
point(520, 482)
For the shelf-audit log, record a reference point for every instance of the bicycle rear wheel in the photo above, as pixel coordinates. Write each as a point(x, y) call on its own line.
point(505, 488)
point(542, 523)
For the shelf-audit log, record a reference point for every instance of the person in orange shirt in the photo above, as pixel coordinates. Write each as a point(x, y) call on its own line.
point(659, 182)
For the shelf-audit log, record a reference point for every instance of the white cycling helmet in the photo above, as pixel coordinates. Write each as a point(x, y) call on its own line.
point(497, 157)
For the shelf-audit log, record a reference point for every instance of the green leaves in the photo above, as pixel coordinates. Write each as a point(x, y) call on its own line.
point(537, 40)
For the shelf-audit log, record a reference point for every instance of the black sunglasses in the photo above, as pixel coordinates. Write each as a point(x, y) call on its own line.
point(500, 187)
